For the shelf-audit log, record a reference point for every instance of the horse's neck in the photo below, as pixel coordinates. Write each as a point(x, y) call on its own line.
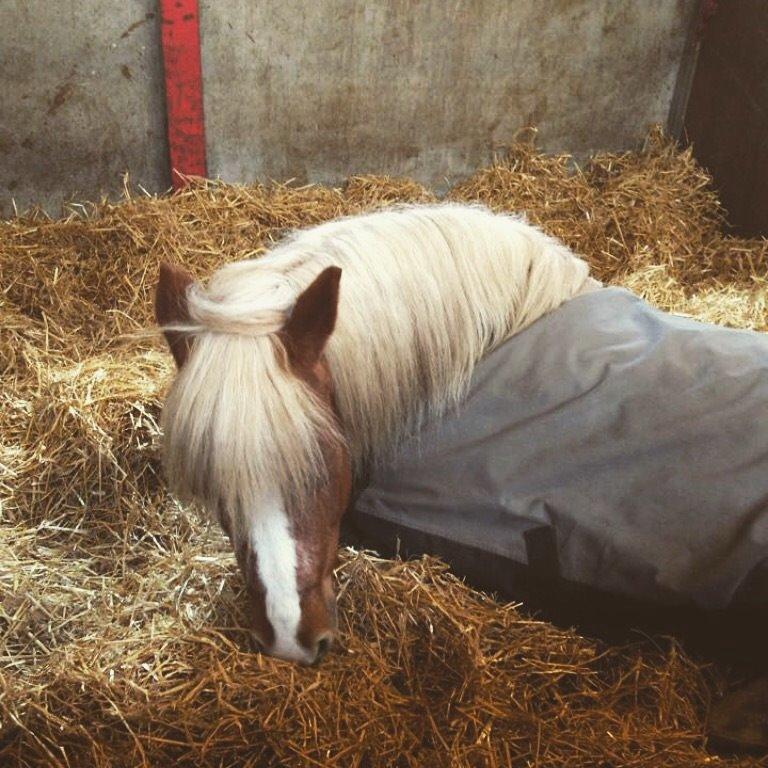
point(403, 358)
point(590, 285)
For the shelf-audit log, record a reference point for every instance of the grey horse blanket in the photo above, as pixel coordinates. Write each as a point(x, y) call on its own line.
point(633, 441)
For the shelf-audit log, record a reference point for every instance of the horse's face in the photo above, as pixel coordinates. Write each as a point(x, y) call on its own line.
point(288, 559)
point(287, 556)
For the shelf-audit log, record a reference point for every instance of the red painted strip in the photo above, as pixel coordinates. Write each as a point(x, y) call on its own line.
point(180, 31)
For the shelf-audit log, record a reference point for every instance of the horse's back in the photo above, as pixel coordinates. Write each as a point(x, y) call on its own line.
point(636, 439)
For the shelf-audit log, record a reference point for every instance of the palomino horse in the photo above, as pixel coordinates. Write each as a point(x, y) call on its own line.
point(300, 369)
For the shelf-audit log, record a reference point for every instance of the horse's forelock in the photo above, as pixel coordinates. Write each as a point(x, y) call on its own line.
point(238, 421)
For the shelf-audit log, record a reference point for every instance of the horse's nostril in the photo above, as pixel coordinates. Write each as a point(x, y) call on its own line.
point(323, 646)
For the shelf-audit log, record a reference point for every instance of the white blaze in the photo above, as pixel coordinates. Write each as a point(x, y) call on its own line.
point(276, 560)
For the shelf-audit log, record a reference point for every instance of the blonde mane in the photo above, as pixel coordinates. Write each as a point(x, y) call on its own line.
point(426, 291)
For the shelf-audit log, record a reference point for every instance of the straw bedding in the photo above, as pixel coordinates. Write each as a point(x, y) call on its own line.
point(121, 616)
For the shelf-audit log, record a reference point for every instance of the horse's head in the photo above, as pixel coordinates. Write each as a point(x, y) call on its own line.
point(226, 436)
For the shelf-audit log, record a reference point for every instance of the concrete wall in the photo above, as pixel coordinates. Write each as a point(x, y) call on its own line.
point(430, 88)
point(318, 90)
point(81, 100)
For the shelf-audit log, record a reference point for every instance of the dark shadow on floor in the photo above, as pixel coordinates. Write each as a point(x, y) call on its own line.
point(737, 636)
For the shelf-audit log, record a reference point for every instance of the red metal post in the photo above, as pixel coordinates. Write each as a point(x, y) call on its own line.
point(180, 30)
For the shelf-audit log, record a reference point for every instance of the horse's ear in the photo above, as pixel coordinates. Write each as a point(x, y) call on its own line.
point(313, 319)
point(171, 308)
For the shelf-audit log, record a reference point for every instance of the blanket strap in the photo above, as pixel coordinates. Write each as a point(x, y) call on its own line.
point(541, 549)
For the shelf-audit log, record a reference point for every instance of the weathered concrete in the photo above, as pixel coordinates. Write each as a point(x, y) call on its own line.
point(430, 89)
point(318, 90)
point(82, 100)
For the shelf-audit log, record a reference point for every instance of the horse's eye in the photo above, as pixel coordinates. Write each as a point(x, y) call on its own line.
point(305, 589)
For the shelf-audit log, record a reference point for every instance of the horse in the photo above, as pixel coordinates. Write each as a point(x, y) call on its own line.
point(301, 369)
